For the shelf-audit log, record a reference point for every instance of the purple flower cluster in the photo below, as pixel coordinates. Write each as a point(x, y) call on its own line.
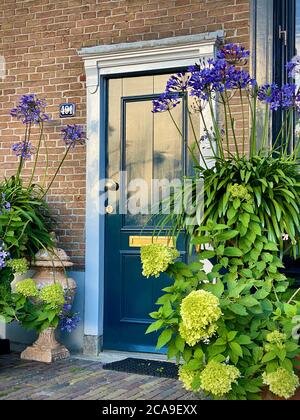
point(293, 67)
point(208, 78)
point(23, 149)
point(5, 206)
point(30, 110)
point(73, 135)
point(286, 97)
point(3, 256)
point(233, 53)
point(68, 320)
point(165, 102)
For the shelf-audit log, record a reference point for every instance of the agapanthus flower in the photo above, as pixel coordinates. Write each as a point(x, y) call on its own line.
point(30, 109)
point(165, 102)
point(27, 288)
point(53, 295)
point(178, 83)
point(73, 135)
point(187, 377)
point(270, 94)
point(23, 149)
point(207, 79)
point(199, 311)
point(233, 53)
point(293, 67)
point(156, 259)
point(288, 92)
point(5, 206)
point(68, 323)
point(4, 255)
point(237, 79)
point(218, 378)
point(282, 382)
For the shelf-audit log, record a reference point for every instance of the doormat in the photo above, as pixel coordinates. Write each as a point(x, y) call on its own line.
point(144, 367)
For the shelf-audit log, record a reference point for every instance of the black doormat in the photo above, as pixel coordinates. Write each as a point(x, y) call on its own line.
point(145, 367)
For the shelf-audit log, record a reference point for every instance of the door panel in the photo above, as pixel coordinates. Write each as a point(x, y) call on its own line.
point(144, 146)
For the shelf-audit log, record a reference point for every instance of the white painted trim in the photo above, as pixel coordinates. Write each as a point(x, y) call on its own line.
point(112, 60)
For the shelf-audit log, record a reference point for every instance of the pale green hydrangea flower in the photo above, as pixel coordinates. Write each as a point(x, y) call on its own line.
point(156, 259)
point(282, 383)
point(218, 378)
point(53, 295)
point(187, 377)
point(200, 311)
point(276, 337)
point(27, 288)
point(19, 266)
point(240, 191)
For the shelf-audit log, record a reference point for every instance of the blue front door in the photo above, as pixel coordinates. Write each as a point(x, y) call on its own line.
point(140, 147)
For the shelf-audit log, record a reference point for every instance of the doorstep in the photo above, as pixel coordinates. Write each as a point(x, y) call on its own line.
point(110, 356)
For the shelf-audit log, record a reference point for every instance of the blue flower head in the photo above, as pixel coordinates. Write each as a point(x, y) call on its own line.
point(73, 135)
point(30, 110)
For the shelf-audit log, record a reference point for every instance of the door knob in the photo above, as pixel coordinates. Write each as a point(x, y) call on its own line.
point(112, 185)
point(109, 209)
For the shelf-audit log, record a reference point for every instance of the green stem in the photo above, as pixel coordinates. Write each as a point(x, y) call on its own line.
point(265, 129)
point(57, 171)
point(294, 295)
point(244, 121)
point(232, 126)
point(207, 131)
point(226, 123)
point(37, 153)
point(197, 140)
point(253, 128)
point(216, 129)
point(175, 123)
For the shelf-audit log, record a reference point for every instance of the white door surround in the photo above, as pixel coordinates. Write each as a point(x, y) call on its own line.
point(108, 60)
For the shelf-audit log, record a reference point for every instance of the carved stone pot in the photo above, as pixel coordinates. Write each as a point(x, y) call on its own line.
point(50, 268)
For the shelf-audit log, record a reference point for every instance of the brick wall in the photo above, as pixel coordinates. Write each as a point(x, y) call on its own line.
point(39, 40)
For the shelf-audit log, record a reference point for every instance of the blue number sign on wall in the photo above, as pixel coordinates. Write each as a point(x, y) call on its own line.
point(67, 110)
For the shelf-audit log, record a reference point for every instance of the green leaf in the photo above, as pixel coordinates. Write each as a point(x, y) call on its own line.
point(231, 234)
point(236, 348)
point(244, 340)
point(268, 357)
point(179, 343)
point(233, 252)
point(155, 326)
point(206, 255)
point(248, 301)
point(194, 364)
point(164, 338)
point(238, 309)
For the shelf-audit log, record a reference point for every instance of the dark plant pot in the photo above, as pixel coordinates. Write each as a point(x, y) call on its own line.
point(4, 346)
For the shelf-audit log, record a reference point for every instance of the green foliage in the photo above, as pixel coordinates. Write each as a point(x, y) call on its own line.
point(272, 198)
point(26, 228)
point(255, 331)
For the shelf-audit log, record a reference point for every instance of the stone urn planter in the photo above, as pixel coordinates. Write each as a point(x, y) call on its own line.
point(50, 268)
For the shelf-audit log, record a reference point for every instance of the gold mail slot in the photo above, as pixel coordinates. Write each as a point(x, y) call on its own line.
point(139, 241)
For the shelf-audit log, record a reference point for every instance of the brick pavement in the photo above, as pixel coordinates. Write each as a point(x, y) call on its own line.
point(77, 379)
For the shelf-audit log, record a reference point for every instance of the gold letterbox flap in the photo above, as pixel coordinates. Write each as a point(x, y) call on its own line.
point(140, 241)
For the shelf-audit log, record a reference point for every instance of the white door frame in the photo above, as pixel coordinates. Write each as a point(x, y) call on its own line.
point(117, 59)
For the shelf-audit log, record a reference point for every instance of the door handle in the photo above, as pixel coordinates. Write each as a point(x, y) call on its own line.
point(112, 185)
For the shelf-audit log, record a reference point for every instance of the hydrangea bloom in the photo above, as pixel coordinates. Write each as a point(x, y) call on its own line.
point(27, 288)
point(282, 382)
point(19, 266)
point(165, 102)
point(239, 191)
point(187, 376)
point(233, 53)
point(23, 149)
point(30, 109)
point(218, 378)
point(276, 337)
point(73, 135)
point(200, 311)
point(156, 259)
point(53, 294)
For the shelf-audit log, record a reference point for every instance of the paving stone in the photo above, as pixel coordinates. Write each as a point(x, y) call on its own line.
point(76, 379)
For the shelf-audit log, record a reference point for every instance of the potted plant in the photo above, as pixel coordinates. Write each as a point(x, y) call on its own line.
point(233, 330)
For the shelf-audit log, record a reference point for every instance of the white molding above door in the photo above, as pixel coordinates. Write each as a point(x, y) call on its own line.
point(137, 57)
